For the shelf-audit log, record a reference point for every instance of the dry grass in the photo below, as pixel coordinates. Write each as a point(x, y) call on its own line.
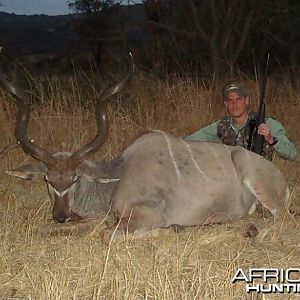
point(195, 264)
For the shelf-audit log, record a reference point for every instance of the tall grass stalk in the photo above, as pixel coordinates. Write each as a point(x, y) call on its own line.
point(195, 264)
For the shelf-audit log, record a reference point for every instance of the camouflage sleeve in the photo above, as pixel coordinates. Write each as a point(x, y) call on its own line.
point(284, 147)
point(206, 134)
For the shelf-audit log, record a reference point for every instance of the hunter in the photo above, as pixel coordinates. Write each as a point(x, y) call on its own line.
point(234, 128)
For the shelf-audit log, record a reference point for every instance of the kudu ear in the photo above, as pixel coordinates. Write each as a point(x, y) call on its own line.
point(101, 179)
point(94, 171)
point(29, 171)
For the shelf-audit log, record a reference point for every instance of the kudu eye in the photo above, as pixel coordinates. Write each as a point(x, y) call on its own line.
point(71, 180)
point(64, 183)
point(75, 179)
point(50, 184)
point(47, 180)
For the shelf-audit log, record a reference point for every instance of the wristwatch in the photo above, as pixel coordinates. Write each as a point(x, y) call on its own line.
point(275, 140)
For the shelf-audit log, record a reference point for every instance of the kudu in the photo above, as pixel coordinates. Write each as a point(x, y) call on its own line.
point(8, 148)
point(158, 181)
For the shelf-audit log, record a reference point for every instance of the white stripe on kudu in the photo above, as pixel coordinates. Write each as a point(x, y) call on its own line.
point(194, 161)
point(219, 160)
point(172, 155)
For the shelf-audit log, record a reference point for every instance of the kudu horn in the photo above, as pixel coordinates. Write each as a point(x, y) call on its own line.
point(21, 126)
point(6, 149)
point(39, 153)
point(102, 123)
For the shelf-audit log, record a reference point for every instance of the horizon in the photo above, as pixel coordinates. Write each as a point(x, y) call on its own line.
point(40, 7)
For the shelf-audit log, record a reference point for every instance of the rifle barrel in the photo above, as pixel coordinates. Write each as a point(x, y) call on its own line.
point(258, 140)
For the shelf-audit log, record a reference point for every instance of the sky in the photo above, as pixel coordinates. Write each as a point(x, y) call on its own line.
point(31, 7)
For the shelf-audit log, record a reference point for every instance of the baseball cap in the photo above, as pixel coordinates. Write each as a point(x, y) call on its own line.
point(234, 88)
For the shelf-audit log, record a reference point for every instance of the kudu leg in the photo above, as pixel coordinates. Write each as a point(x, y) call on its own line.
point(262, 179)
point(84, 227)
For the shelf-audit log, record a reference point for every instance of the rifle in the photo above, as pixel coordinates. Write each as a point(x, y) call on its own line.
point(256, 140)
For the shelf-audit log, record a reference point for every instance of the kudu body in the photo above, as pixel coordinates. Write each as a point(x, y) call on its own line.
point(159, 180)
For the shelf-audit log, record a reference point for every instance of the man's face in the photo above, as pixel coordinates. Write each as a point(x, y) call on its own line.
point(236, 105)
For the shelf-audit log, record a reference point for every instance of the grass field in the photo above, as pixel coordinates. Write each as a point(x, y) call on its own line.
point(197, 263)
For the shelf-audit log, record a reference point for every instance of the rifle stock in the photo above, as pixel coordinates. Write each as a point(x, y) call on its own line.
point(258, 140)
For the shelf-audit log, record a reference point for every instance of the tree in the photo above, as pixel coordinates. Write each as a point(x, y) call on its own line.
point(90, 6)
point(95, 23)
point(283, 34)
point(218, 35)
point(214, 31)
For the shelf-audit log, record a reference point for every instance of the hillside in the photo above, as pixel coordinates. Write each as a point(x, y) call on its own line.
point(40, 37)
point(36, 34)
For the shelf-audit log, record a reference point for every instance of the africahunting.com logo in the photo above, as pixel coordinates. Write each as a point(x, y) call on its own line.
point(269, 280)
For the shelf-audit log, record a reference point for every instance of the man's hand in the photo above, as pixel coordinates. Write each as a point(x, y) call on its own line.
point(264, 130)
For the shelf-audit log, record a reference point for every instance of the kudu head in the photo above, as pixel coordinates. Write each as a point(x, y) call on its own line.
point(61, 169)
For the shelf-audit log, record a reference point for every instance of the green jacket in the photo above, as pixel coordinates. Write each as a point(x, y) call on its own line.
point(284, 147)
